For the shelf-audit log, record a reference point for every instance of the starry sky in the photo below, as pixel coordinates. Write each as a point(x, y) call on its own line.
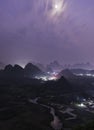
point(46, 30)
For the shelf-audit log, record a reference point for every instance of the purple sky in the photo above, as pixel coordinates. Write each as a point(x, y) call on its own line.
point(35, 30)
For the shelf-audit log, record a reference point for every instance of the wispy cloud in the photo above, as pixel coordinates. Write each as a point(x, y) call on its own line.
point(56, 28)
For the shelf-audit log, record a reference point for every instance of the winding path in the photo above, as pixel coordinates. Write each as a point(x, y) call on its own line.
point(69, 111)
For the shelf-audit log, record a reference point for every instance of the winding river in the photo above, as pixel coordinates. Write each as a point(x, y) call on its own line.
point(55, 123)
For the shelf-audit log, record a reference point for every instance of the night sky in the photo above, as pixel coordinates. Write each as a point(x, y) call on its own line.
point(46, 30)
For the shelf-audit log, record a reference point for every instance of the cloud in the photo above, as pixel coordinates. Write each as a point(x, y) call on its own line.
point(36, 29)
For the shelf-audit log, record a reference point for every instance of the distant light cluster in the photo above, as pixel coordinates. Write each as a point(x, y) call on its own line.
point(51, 76)
point(88, 105)
point(89, 75)
point(46, 78)
point(81, 105)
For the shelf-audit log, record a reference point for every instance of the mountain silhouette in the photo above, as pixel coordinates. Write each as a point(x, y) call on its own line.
point(16, 71)
point(66, 73)
point(31, 70)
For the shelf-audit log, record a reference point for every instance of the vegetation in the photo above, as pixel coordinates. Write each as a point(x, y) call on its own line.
point(88, 126)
